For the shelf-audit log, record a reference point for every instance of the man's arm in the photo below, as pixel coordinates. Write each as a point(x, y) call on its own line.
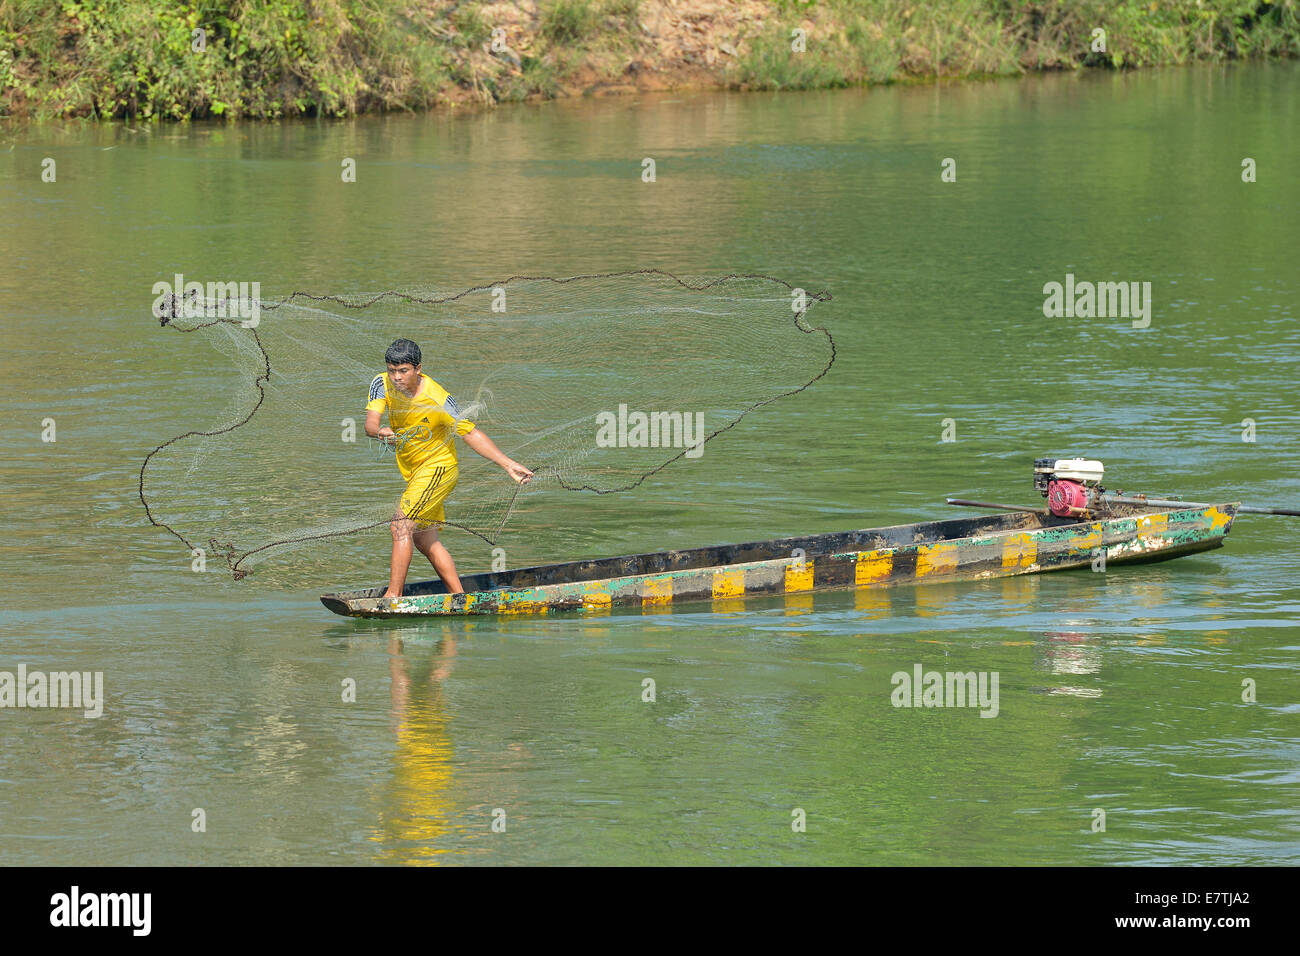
point(372, 425)
point(488, 449)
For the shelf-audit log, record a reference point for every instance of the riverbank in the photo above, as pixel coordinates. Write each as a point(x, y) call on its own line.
point(155, 59)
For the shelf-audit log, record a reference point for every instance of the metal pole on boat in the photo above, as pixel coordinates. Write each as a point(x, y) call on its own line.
point(988, 504)
point(1174, 503)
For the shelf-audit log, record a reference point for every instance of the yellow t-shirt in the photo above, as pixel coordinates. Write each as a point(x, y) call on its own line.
point(425, 422)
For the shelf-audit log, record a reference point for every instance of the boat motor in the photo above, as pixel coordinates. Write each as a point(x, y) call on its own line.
point(1068, 484)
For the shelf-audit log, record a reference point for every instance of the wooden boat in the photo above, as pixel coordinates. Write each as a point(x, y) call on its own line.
point(1015, 542)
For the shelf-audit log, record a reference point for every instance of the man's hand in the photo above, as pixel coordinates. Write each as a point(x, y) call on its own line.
point(488, 449)
point(386, 433)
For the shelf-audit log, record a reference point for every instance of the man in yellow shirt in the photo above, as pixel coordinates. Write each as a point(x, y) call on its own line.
point(426, 417)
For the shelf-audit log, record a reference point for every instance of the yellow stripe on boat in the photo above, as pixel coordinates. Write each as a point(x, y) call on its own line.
point(523, 607)
point(1019, 551)
point(1089, 541)
point(873, 566)
point(1218, 519)
point(657, 590)
point(596, 601)
point(728, 584)
point(512, 604)
point(799, 577)
point(1152, 524)
point(935, 559)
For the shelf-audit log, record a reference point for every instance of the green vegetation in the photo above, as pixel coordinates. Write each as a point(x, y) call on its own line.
point(878, 41)
point(270, 58)
point(143, 58)
point(625, 10)
point(471, 25)
point(568, 21)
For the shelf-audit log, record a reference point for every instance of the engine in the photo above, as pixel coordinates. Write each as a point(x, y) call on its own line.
point(1068, 484)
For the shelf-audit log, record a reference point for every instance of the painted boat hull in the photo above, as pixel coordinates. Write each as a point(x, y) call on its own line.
point(1020, 542)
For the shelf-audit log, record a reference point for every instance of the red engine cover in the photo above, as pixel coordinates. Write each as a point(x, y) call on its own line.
point(1065, 498)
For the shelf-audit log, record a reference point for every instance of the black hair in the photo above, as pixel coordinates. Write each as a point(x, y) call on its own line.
point(403, 352)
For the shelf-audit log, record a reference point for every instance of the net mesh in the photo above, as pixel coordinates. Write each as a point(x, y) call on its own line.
point(594, 382)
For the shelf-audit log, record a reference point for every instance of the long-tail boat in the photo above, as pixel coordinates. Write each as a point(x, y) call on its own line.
point(1082, 527)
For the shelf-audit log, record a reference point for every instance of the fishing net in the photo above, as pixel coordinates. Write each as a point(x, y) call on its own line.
point(594, 382)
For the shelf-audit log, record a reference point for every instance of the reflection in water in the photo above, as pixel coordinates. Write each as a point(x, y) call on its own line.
point(417, 806)
point(798, 604)
point(875, 602)
point(1072, 652)
point(933, 598)
point(1020, 590)
point(1148, 593)
point(1076, 691)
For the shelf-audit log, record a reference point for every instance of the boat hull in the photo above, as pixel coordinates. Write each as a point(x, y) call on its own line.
point(1022, 542)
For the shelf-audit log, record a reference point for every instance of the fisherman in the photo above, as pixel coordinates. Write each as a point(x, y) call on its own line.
point(425, 415)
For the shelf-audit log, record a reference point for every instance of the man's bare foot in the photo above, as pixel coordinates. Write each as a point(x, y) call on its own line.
point(389, 594)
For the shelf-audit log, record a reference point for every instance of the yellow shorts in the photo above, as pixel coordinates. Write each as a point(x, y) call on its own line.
point(425, 493)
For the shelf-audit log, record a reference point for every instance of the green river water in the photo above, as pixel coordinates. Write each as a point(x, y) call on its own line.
point(1120, 692)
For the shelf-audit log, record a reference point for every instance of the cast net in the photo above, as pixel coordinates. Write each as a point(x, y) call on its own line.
point(594, 382)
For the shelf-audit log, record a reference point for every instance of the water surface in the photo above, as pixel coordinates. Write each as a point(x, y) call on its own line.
point(1119, 691)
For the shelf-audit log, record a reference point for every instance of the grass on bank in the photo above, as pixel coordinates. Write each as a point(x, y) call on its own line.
point(270, 58)
point(878, 41)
